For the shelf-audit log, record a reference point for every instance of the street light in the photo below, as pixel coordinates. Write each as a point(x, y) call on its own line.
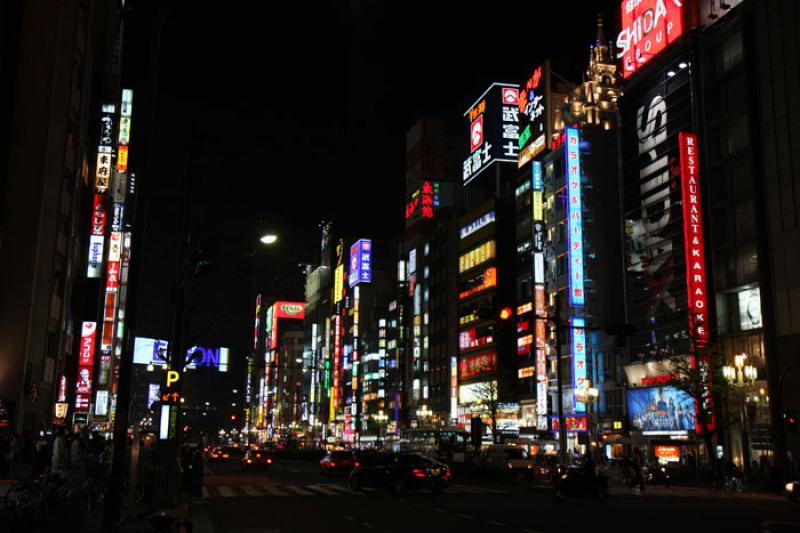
point(740, 375)
point(269, 238)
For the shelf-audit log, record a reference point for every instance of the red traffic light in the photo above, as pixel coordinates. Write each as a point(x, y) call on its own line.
point(506, 313)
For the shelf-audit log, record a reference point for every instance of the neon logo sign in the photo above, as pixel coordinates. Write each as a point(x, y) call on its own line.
point(577, 296)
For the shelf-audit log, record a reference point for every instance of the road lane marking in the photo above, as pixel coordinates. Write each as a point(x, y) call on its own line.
point(225, 491)
point(341, 489)
point(273, 490)
point(466, 516)
point(348, 517)
point(472, 490)
point(299, 490)
point(494, 491)
point(451, 490)
point(367, 525)
point(250, 491)
point(323, 490)
point(439, 510)
point(530, 531)
point(494, 523)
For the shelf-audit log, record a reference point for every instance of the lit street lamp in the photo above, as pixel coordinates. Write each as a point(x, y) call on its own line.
point(269, 238)
point(740, 375)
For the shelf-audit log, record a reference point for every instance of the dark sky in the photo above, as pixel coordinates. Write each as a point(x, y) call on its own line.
point(290, 114)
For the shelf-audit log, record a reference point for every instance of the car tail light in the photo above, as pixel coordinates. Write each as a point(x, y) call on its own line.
point(258, 455)
point(332, 464)
point(249, 461)
point(225, 455)
point(269, 461)
point(356, 464)
point(418, 472)
point(446, 474)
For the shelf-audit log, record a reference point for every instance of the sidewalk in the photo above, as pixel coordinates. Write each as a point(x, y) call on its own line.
point(693, 492)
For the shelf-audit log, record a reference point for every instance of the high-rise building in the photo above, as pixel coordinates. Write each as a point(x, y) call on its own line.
point(57, 71)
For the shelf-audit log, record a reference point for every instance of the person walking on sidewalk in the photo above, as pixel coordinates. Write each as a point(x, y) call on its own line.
point(637, 463)
point(198, 467)
point(60, 462)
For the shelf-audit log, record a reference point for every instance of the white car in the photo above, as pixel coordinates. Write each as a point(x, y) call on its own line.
point(509, 457)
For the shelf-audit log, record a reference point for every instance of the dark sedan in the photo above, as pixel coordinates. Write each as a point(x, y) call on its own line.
point(256, 459)
point(401, 472)
point(338, 462)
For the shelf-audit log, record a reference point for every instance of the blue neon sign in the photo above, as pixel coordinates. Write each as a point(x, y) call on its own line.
point(537, 184)
point(360, 262)
point(577, 327)
point(577, 295)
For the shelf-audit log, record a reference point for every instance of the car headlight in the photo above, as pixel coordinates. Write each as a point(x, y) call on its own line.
point(563, 476)
point(789, 487)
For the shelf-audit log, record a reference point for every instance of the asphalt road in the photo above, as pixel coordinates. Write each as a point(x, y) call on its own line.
point(293, 497)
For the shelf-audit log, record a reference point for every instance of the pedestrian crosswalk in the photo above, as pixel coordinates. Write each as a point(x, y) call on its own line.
point(316, 489)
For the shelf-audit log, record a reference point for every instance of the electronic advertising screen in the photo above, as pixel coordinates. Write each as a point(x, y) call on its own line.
point(661, 411)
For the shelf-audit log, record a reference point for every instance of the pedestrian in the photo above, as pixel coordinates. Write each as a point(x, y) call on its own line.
point(79, 448)
point(60, 461)
point(198, 471)
point(637, 463)
point(186, 469)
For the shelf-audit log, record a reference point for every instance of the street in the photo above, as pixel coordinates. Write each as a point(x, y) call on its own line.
point(293, 497)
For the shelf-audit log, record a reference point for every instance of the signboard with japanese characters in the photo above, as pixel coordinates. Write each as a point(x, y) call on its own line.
point(360, 262)
point(493, 130)
point(423, 202)
point(579, 374)
point(535, 118)
point(575, 214)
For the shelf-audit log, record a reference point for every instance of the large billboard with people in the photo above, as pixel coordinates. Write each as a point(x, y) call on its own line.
point(661, 411)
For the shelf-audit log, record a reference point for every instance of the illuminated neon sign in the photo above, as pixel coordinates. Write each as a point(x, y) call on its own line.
point(473, 365)
point(360, 262)
point(575, 222)
point(577, 325)
point(493, 129)
point(477, 224)
point(648, 27)
point(693, 238)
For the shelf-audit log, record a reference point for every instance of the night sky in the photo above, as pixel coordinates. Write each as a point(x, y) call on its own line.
point(296, 113)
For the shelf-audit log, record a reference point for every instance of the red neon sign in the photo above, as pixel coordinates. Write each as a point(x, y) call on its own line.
point(476, 133)
point(693, 239)
point(86, 352)
point(648, 27)
point(99, 214)
point(477, 364)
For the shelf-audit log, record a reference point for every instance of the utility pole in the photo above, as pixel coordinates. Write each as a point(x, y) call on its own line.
point(562, 429)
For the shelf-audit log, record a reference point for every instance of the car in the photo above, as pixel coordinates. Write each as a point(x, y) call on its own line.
point(338, 462)
point(545, 467)
point(512, 458)
point(401, 472)
point(793, 490)
point(256, 459)
point(218, 455)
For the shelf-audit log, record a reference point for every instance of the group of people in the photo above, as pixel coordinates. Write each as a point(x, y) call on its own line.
point(33, 454)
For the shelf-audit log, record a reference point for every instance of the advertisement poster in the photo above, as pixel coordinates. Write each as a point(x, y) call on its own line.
point(661, 410)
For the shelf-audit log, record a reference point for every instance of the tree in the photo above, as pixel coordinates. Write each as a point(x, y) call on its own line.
point(701, 378)
point(487, 402)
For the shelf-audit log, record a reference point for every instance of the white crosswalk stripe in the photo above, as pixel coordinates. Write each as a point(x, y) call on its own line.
point(324, 490)
point(298, 490)
point(342, 489)
point(226, 491)
point(250, 491)
point(273, 490)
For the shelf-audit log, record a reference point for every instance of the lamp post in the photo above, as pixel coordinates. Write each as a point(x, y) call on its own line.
point(740, 376)
point(424, 413)
point(592, 396)
point(381, 418)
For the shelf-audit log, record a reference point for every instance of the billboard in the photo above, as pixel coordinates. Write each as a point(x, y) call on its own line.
point(292, 310)
point(360, 262)
point(652, 117)
point(472, 365)
point(648, 27)
point(480, 222)
point(534, 116)
point(493, 123)
point(155, 352)
point(661, 411)
point(423, 202)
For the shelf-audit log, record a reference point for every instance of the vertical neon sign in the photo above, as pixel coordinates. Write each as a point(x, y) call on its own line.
point(575, 223)
point(577, 325)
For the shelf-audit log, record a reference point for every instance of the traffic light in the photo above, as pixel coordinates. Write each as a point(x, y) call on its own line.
point(506, 313)
point(792, 421)
point(233, 418)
